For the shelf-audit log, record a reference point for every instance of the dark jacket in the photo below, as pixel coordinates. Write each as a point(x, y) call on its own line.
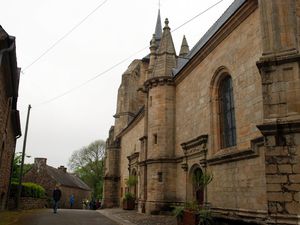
point(56, 194)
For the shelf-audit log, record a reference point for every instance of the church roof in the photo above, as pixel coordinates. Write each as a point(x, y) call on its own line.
point(208, 35)
point(66, 179)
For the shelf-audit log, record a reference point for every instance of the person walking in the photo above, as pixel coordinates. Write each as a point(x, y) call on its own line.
point(72, 199)
point(56, 198)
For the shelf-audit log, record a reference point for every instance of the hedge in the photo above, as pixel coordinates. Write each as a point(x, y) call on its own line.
point(28, 190)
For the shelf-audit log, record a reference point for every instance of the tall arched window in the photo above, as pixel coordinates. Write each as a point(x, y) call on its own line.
point(227, 115)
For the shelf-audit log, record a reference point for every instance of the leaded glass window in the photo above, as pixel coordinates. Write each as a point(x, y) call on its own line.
point(227, 115)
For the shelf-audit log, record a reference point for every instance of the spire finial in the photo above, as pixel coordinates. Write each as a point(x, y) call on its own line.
point(153, 41)
point(158, 30)
point(166, 23)
point(184, 50)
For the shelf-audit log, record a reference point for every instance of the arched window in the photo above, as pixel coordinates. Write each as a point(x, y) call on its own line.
point(227, 115)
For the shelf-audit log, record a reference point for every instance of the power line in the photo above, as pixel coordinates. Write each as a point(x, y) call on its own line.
point(209, 8)
point(64, 36)
point(91, 79)
point(120, 62)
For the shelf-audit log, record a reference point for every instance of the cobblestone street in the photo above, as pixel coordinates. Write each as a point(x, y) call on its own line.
point(63, 217)
point(128, 217)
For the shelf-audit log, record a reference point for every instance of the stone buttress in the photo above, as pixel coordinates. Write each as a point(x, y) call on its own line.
point(280, 77)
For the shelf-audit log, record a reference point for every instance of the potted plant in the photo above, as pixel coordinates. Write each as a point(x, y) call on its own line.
point(128, 201)
point(194, 213)
point(178, 213)
point(129, 198)
point(205, 217)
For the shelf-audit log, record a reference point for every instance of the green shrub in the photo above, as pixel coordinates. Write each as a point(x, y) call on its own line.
point(28, 190)
point(129, 196)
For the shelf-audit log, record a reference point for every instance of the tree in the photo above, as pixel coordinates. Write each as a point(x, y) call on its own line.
point(16, 167)
point(87, 163)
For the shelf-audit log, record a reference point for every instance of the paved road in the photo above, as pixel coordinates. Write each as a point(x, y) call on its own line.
point(64, 217)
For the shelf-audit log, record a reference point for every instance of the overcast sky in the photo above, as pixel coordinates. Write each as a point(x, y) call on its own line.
point(115, 31)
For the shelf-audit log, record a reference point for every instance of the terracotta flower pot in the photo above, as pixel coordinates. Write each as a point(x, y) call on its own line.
point(190, 218)
point(128, 204)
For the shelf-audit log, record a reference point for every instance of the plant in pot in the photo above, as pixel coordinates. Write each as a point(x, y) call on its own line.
point(178, 212)
point(196, 213)
point(129, 198)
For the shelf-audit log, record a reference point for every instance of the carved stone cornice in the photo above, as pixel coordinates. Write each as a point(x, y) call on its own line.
point(117, 115)
point(143, 138)
point(112, 178)
point(281, 128)
point(275, 60)
point(238, 154)
point(161, 160)
point(133, 156)
point(194, 145)
point(115, 145)
point(156, 81)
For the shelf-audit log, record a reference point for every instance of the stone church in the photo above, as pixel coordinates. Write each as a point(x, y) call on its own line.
point(229, 106)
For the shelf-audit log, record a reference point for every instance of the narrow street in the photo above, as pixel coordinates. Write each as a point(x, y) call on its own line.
point(64, 217)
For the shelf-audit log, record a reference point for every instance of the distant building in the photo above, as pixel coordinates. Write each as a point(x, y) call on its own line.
point(48, 177)
point(9, 115)
point(230, 106)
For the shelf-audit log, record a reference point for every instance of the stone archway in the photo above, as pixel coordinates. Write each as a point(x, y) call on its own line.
point(194, 193)
point(134, 189)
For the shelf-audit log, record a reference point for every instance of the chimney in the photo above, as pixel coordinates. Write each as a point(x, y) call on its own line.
point(40, 161)
point(62, 168)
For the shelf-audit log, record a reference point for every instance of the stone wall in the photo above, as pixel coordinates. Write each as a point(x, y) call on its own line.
point(79, 196)
point(129, 145)
point(130, 100)
point(29, 203)
point(5, 165)
point(237, 184)
point(194, 108)
point(9, 116)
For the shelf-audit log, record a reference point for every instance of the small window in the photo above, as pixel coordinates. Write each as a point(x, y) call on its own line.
point(150, 101)
point(155, 138)
point(159, 175)
point(227, 114)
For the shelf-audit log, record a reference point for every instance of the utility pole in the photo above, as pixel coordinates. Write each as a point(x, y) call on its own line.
point(22, 163)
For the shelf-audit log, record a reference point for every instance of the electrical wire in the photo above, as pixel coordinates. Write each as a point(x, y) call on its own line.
point(63, 37)
point(91, 79)
point(122, 61)
point(199, 14)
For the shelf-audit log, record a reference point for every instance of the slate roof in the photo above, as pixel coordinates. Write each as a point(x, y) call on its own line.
point(209, 34)
point(66, 179)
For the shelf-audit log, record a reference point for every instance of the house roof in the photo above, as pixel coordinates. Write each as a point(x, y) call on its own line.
point(66, 179)
point(209, 34)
